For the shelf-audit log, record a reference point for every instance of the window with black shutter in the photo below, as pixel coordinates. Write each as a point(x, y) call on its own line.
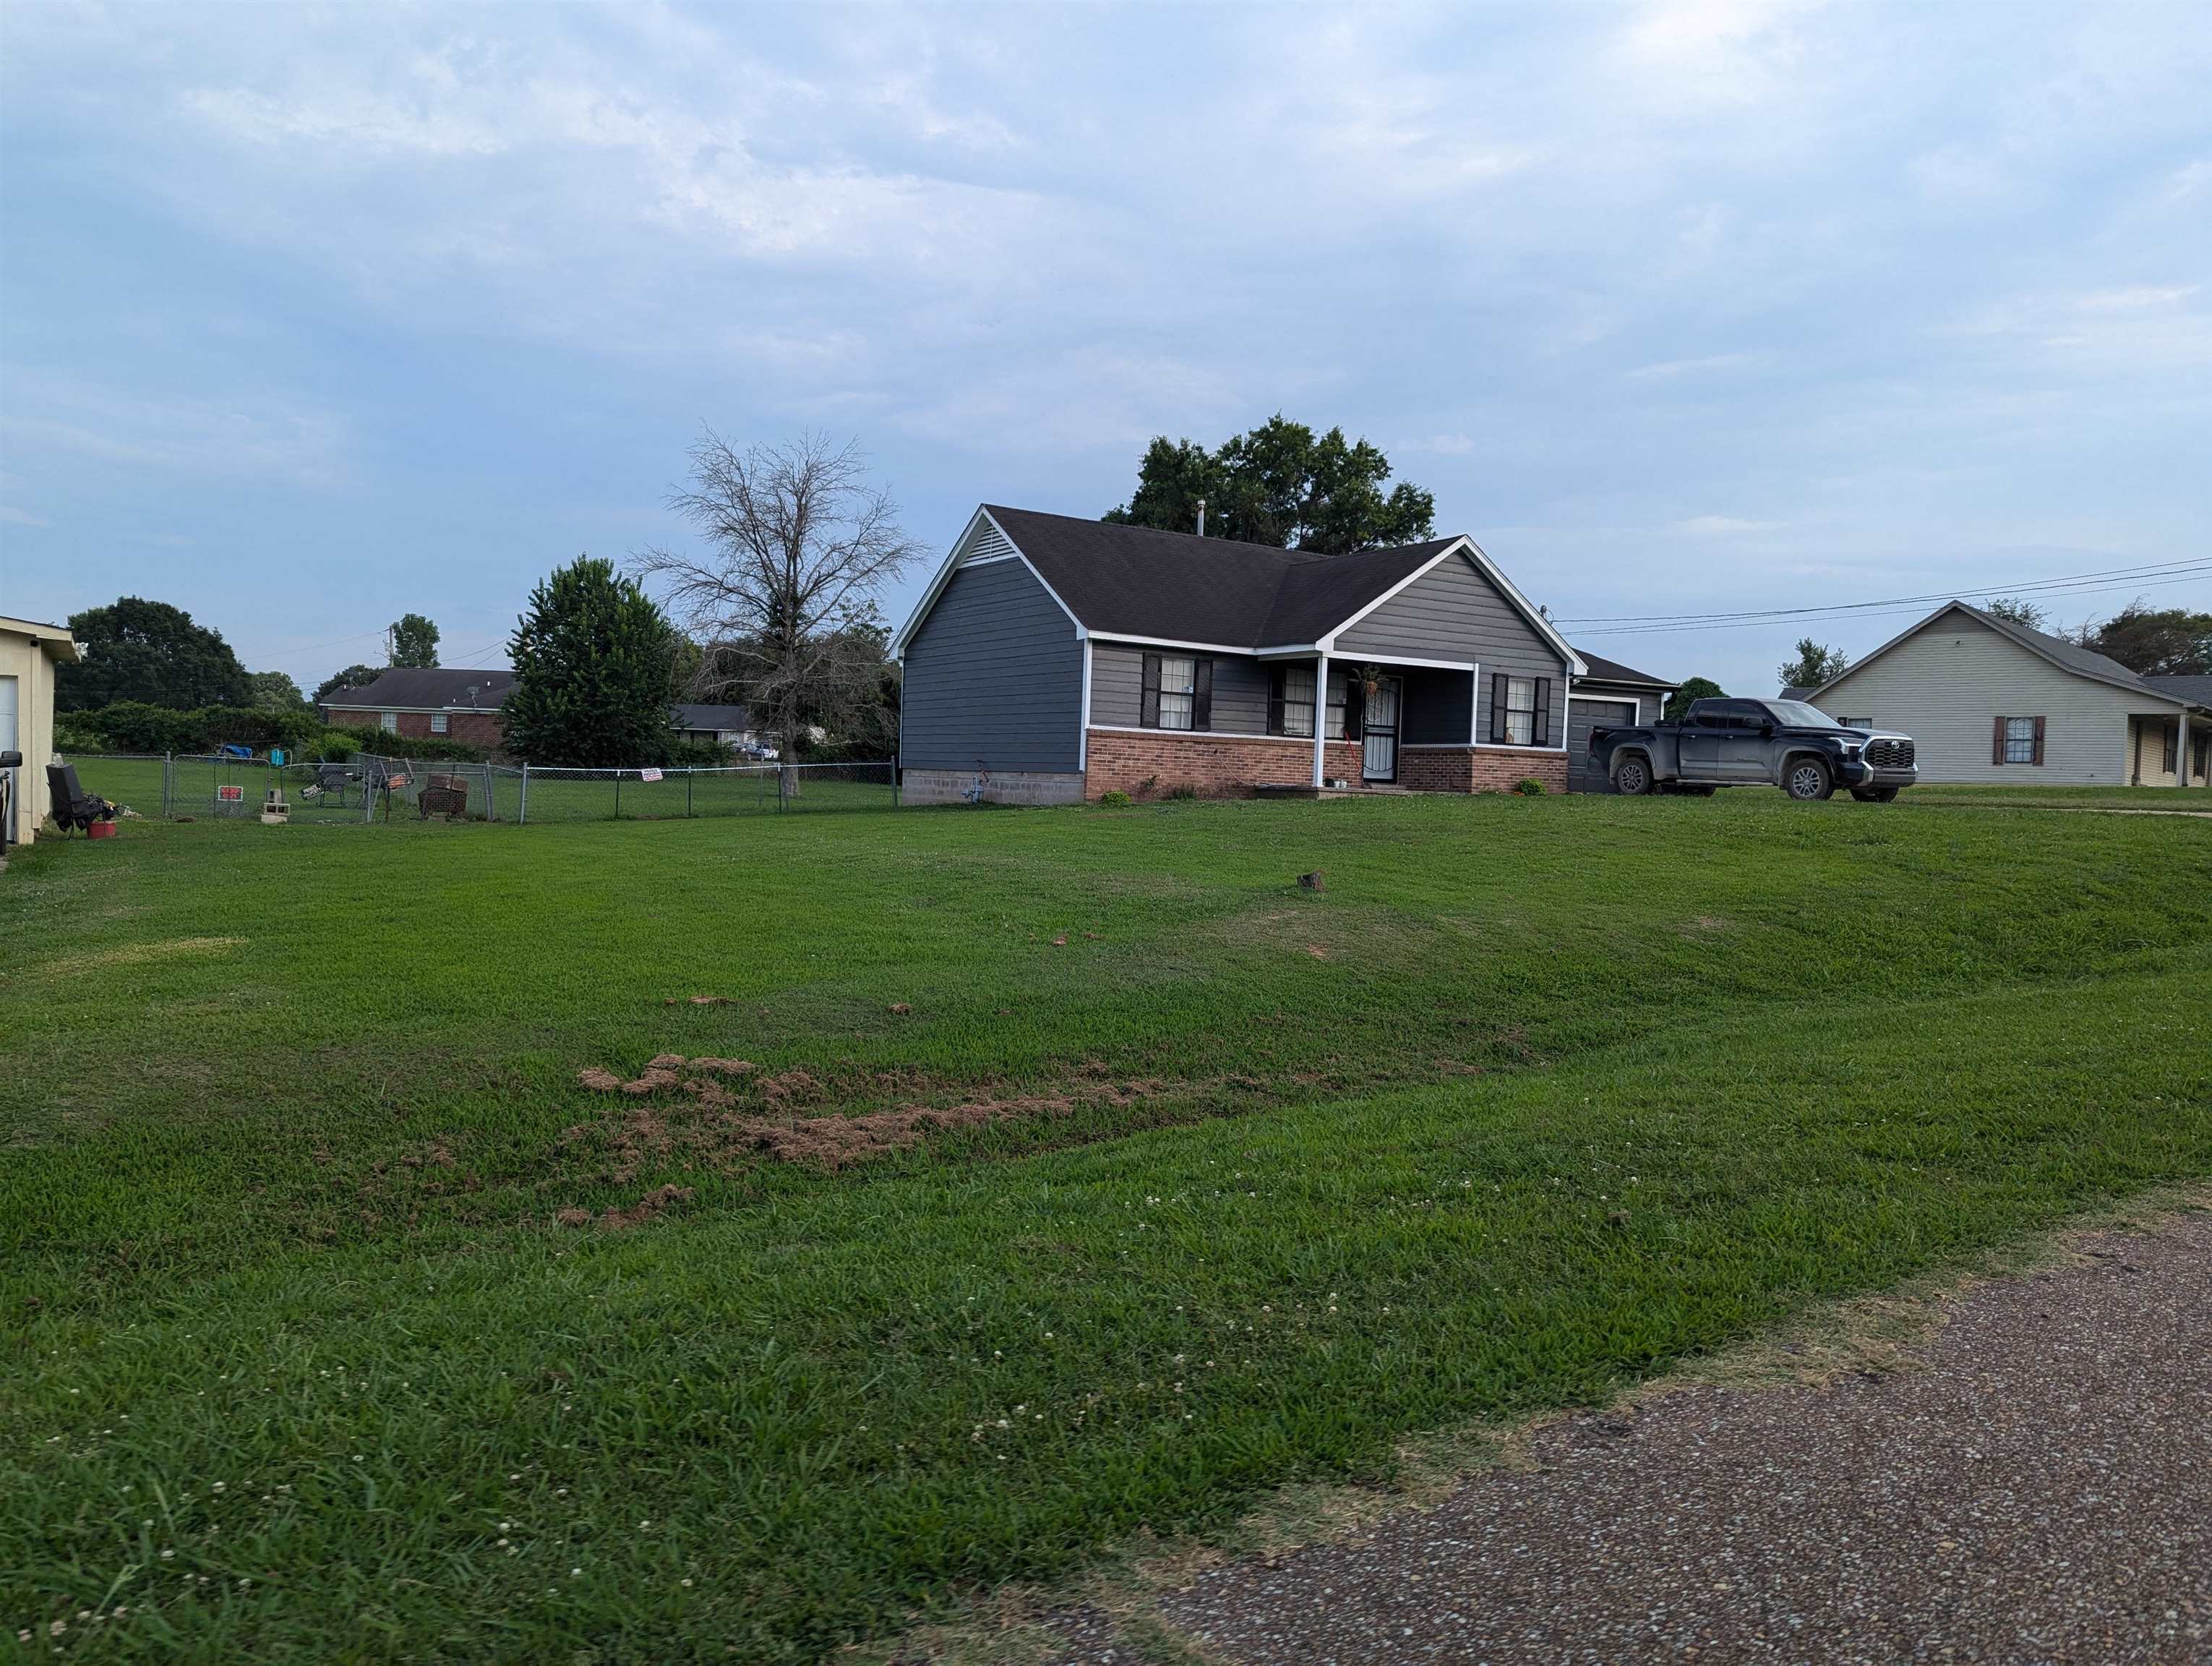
point(1148, 710)
point(1543, 725)
point(1201, 696)
point(1497, 709)
point(1173, 699)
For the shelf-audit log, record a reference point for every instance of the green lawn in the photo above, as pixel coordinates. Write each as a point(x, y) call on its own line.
point(1538, 1097)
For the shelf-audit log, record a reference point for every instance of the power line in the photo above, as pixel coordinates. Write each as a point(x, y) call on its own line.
point(2111, 577)
point(1903, 606)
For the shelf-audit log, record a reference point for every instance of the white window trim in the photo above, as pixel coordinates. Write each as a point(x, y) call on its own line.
point(1188, 693)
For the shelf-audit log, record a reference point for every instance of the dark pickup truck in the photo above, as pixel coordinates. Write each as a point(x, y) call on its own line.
point(1741, 743)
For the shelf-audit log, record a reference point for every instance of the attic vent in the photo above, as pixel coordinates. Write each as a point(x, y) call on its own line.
point(990, 545)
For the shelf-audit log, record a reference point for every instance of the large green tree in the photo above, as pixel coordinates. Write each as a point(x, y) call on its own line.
point(1280, 484)
point(274, 691)
point(1698, 688)
point(152, 653)
point(353, 676)
point(1814, 665)
point(413, 640)
point(594, 666)
point(2169, 641)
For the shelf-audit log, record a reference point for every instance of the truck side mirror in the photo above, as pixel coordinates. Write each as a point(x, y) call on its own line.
point(1766, 729)
point(11, 760)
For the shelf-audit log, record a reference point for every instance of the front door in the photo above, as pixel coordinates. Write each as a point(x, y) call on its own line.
point(1379, 753)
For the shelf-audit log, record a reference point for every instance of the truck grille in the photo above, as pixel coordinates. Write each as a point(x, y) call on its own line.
point(1889, 754)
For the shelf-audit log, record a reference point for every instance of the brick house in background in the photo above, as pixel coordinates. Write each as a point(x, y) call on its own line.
point(412, 703)
point(1066, 658)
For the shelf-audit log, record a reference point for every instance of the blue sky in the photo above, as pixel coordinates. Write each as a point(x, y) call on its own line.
point(312, 316)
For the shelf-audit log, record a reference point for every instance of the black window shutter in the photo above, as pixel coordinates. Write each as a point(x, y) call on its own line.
point(1996, 744)
point(1497, 707)
point(1275, 700)
point(1149, 713)
point(1542, 730)
point(1201, 696)
point(2038, 758)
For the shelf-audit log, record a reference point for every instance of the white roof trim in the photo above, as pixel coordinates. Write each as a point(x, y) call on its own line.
point(1466, 546)
point(1955, 604)
point(1172, 642)
point(982, 518)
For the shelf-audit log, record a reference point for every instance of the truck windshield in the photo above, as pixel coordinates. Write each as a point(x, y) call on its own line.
point(1799, 715)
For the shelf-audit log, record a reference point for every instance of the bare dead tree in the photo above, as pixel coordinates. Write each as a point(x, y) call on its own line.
point(797, 543)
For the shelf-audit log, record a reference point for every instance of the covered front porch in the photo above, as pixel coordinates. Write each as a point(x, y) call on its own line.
point(1416, 725)
point(2168, 749)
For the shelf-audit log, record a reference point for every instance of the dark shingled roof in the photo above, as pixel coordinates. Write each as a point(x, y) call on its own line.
point(1139, 581)
point(1603, 670)
point(712, 717)
point(406, 686)
point(2198, 689)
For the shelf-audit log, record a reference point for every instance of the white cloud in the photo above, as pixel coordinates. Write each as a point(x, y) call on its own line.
point(1669, 370)
point(246, 436)
point(2135, 296)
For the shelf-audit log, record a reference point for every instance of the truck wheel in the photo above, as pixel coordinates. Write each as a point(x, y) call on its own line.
point(1874, 794)
point(1633, 775)
point(1807, 780)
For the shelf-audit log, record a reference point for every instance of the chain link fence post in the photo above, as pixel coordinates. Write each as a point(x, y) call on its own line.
point(522, 807)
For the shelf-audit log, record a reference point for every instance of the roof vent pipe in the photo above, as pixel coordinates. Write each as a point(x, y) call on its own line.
point(1201, 516)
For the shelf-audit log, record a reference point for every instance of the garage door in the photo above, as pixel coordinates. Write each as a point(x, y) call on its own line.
point(1583, 716)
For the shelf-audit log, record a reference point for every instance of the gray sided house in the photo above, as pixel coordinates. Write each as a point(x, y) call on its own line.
point(1054, 658)
point(1610, 696)
point(1988, 700)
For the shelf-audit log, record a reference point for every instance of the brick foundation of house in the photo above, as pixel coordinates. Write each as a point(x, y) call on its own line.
point(1479, 768)
point(1215, 766)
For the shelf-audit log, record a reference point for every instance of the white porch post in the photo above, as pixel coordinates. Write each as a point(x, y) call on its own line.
point(1320, 723)
point(2181, 751)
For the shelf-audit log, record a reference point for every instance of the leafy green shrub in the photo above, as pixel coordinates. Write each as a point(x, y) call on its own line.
point(1116, 800)
point(131, 726)
point(339, 743)
point(1181, 794)
point(1529, 787)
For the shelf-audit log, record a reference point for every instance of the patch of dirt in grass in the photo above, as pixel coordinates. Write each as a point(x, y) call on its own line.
point(721, 1114)
point(138, 954)
point(1706, 925)
point(651, 1206)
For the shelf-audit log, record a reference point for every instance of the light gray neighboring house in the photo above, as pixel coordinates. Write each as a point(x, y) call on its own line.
point(1054, 658)
point(1985, 699)
point(1610, 696)
point(729, 726)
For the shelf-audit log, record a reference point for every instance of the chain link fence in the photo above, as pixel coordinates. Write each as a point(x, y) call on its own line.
point(370, 787)
point(754, 789)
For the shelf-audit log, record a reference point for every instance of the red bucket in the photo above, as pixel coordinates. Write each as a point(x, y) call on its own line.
point(101, 830)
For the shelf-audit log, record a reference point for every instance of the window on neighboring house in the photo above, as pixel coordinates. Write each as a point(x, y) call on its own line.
point(388, 721)
point(437, 723)
point(2019, 741)
point(1298, 700)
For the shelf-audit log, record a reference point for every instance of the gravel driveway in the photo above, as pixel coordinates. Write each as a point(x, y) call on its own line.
point(2039, 1489)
